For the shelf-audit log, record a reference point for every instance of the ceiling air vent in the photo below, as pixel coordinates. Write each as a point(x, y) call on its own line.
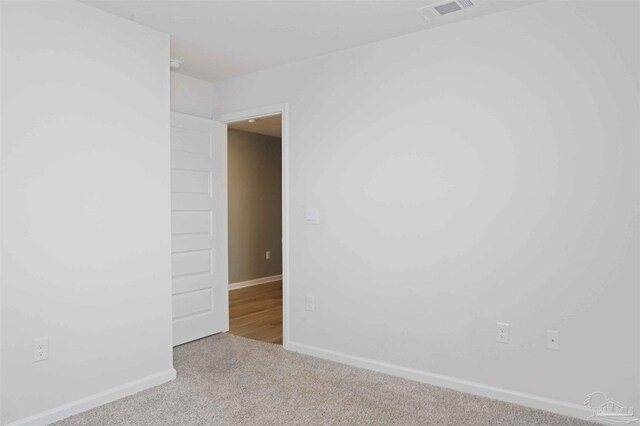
point(446, 8)
point(432, 12)
point(465, 3)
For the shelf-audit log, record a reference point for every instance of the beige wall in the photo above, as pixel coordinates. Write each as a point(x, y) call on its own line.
point(255, 206)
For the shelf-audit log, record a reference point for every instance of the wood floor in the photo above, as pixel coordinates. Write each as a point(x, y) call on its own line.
point(256, 312)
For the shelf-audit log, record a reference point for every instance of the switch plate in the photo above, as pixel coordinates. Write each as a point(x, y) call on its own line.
point(309, 303)
point(502, 332)
point(553, 340)
point(40, 349)
point(267, 255)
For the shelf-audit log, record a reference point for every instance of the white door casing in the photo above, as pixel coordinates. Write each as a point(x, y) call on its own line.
point(264, 111)
point(198, 227)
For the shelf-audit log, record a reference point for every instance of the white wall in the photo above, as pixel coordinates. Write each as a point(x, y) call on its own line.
point(479, 172)
point(191, 96)
point(85, 207)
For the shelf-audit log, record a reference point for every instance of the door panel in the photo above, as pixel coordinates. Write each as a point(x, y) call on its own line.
point(198, 227)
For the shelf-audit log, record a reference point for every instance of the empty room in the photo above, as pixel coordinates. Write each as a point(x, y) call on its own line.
point(372, 212)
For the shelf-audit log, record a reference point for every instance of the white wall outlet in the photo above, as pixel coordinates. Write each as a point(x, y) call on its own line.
point(310, 303)
point(267, 255)
point(312, 216)
point(502, 332)
point(40, 349)
point(553, 340)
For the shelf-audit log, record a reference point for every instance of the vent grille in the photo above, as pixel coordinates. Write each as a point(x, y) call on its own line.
point(446, 8)
point(465, 3)
point(434, 12)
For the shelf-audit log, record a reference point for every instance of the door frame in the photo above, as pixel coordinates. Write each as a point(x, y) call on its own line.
point(264, 111)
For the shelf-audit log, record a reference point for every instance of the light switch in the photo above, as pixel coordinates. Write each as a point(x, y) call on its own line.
point(312, 217)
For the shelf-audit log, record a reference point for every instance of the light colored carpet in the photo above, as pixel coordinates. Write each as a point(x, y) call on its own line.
point(230, 380)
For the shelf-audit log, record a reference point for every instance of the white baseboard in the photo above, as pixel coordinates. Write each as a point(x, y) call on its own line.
point(520, 398)
point(96, 400)
point(263, 280)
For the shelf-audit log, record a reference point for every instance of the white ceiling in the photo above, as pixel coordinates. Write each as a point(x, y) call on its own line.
point(269, 126)
point(221, 39)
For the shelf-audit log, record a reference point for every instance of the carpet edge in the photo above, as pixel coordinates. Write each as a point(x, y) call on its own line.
point(474, 388)
point(84, 404)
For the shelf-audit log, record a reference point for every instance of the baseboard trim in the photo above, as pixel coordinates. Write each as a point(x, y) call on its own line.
point(520, 398)
point(263, 280)
point(96, 400)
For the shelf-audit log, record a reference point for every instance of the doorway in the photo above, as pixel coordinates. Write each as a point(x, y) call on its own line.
point(255, 233)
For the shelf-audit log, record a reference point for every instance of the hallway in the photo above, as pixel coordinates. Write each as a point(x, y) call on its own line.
point(256, 312)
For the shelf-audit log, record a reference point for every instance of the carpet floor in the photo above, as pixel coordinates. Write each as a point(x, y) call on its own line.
point(230, 380)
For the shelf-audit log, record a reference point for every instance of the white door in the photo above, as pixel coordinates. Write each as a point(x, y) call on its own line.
point(198, 227)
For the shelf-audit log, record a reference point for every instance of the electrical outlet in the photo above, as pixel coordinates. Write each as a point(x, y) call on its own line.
point(502, 332)
point(312, 216)
point(267, 255)
point(310, 303)
point(40, 349)
point(553, 340)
